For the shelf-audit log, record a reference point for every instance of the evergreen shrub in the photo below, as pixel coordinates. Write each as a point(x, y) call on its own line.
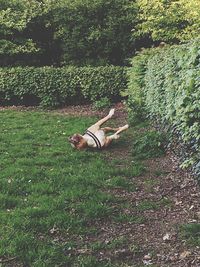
point(52, 87)
point(170, 90)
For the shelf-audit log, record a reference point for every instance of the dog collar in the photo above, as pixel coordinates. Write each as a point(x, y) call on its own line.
point(96, 140)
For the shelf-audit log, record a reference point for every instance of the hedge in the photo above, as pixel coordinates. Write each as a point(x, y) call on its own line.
point(134, 90)
point(51, 87)
point(170, 92)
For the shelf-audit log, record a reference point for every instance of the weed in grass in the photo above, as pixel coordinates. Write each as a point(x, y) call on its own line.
point(98, 245)
point(191, 232)
point(135, 248)
point(121, 182)
point(118, 242)
point(131, 171)
point(147, 205)
point(90, 261)
point(152, 205)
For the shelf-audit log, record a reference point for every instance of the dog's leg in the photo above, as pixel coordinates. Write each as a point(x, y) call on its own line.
point(109, 116)
point(97, 125)
point(115, 135)
point(123, 128)
point(110, 138)
point(109, 129)
point(117, 130)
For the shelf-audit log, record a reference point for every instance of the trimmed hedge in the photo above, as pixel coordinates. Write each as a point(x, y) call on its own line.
point(134, 90)
point(51, 87)
point(170, 92)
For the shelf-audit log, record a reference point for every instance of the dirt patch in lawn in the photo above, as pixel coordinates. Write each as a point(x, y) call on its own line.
point(79, 110)
point(87, 110)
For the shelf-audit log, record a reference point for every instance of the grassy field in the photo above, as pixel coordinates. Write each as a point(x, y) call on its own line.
point(51, 194)
point(56, 201)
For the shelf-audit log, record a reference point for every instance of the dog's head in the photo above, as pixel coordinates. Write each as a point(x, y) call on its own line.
point(77, 141)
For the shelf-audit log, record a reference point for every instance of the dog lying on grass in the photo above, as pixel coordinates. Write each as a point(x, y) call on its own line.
point(95, 137)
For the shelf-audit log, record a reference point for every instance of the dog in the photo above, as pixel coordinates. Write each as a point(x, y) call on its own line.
point(95, 136)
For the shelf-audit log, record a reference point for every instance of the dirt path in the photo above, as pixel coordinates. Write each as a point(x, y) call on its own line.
point(172, 198)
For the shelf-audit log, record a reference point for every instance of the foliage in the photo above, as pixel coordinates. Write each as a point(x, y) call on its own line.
point(90, 32)
point(148, 144)
point(104, 102)
point(171, 93)
point(134, 91)
point(64, 32)
point(14, 18)
point(58, 86)
point(169, 20)
point(94, 31)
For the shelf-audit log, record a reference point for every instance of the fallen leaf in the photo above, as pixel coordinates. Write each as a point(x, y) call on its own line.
point(167, 237)
point(184, 254)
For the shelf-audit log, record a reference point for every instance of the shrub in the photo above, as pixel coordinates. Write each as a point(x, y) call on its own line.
point(148, 145)
point(102, 103)
point(171, 95)
point(135, 90)
point(53, 87)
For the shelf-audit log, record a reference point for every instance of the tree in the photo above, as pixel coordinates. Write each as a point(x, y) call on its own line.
point(94, 31)
point(65, 32)
point(168, 20)
point(14, 17)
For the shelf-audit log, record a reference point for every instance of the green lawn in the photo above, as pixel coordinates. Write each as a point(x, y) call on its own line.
point(50, 194)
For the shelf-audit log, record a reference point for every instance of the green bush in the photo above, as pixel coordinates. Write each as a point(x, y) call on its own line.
point(135, 90)
point(102, 103)
point(148, 145)
point(171, 93)
point(51, 87)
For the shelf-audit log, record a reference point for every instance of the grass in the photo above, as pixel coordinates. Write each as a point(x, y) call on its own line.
point(191, 233)
point(51, 193)
point(152, 205)
point(54, 199)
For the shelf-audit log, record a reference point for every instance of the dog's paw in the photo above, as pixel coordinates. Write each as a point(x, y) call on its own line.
point(125, 127)
point(111, 113)
point(116, 136)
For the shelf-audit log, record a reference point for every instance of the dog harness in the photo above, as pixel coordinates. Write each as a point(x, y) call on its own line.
point(96, 140)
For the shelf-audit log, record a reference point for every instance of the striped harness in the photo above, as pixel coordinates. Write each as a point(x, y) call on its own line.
point(96, 140)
